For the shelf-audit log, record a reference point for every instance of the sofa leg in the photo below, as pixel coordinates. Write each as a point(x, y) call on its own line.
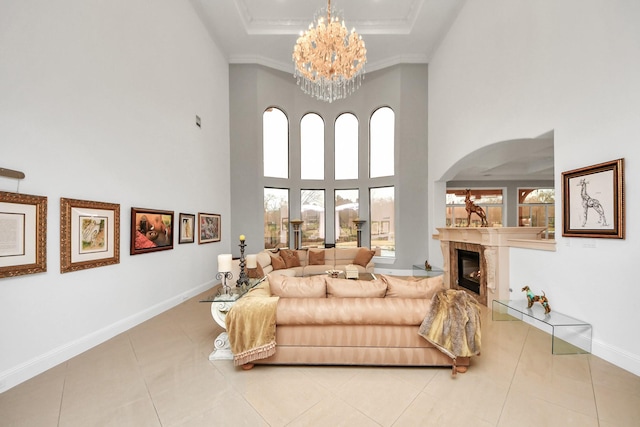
point(247, 366)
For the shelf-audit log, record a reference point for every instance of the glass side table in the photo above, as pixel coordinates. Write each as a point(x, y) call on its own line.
point(220, 306)
point(568, 335)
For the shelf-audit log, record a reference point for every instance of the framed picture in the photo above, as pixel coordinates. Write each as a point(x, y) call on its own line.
point(89, 234)
point(151, 230)
point(209, 228)
point(23, 234)
point(187, 227)
point(593, 201)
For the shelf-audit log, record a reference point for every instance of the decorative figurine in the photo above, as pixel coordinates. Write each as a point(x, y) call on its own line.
point(471, 207)
point(427, 266)
point(542, 299)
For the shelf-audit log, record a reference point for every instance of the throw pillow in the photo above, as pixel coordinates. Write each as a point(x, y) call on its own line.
point(363, 257)
point(316, 257)
point(297, 287)
point(422, 288)
point(277, 262)
point(348, 288)
point(290, 258)
point(254, 273)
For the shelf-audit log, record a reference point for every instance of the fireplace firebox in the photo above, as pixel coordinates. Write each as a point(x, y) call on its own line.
point(469, 271)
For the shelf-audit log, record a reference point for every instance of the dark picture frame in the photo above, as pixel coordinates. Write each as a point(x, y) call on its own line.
point(187, 228)
point(89, 234)
point(24, 237)
point(151, 230)
point(593, 201)
point(209, 227)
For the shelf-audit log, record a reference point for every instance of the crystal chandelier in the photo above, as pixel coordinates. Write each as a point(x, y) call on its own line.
point(329, 60)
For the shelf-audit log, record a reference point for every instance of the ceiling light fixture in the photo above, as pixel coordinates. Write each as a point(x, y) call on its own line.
point(329, 60)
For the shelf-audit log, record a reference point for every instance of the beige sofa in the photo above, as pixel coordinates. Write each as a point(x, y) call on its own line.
point(325, 321)
point(314, 261)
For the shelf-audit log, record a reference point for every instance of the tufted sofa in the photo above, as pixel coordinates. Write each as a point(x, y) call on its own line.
point(321, 320)
point(312, 261)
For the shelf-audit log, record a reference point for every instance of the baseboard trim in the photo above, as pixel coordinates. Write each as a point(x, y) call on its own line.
point(37, 365)
point(620, 358)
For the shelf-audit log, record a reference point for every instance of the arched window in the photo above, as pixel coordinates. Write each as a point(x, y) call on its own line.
point(275, 143)
point(346, 147)
point(381, 140)
point(311, 147)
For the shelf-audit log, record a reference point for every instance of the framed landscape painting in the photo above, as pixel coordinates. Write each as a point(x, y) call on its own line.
point(593, 201)
point(151, 230)
point(187, 228)
point(89, 234)
point(209, 226)
point(23, 234)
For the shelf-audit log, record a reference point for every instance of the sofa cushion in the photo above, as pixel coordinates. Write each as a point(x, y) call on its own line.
point(298, 287)
point(316, 257)
point(413, 288)
point(290, 258)
point(277, 262)
point(347, 288)
point(363, 257)
point(352, 311)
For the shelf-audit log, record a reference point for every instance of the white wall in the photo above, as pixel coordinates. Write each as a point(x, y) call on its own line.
point(98, 102)
point(513, 69)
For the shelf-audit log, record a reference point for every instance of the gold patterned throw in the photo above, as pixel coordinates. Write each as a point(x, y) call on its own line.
point(251, 325)
point(453, 324)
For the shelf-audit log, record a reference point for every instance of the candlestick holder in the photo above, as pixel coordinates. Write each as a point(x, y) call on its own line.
point(225, 276)
point(243, 280)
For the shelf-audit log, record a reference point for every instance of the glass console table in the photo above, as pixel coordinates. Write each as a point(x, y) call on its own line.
point(221, 303)
point(420, 271)
point(569, 335)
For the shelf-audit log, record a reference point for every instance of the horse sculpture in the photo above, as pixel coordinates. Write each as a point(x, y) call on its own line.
point(473, 208)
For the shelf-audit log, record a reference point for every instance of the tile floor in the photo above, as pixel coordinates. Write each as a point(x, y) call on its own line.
point(158, 374)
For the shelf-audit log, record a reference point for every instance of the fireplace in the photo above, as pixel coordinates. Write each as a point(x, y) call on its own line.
point(469, 270)
point(492, 245)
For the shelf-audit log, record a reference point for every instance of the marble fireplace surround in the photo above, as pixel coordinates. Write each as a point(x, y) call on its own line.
point(493, 244)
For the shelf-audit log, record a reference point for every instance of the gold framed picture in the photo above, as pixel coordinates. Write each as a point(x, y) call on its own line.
point(89, 234)
point(23, 234)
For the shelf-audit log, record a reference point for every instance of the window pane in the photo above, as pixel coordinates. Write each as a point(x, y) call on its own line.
point(489, 199)
point(311, 147)
point(346, 147)
point(312, 212)
point(276, 218)
point(383, 216)
point(275, 143)
point(347, 207)
point(536, 195)
point(381, 138)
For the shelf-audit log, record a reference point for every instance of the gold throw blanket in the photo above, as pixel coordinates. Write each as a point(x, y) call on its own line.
point(453, 324)
point(251, 325)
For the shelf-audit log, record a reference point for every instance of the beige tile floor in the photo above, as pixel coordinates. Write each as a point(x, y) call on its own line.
point(158, 374)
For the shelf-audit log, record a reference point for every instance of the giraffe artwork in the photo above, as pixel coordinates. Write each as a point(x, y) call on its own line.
point(589, 202)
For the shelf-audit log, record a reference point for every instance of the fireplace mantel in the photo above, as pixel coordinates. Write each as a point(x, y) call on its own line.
point(495, 243)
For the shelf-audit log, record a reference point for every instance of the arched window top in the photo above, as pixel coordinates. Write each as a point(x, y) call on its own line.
point(311, 146)
point(275, 143)
point(346, 146)
point(382, 142)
